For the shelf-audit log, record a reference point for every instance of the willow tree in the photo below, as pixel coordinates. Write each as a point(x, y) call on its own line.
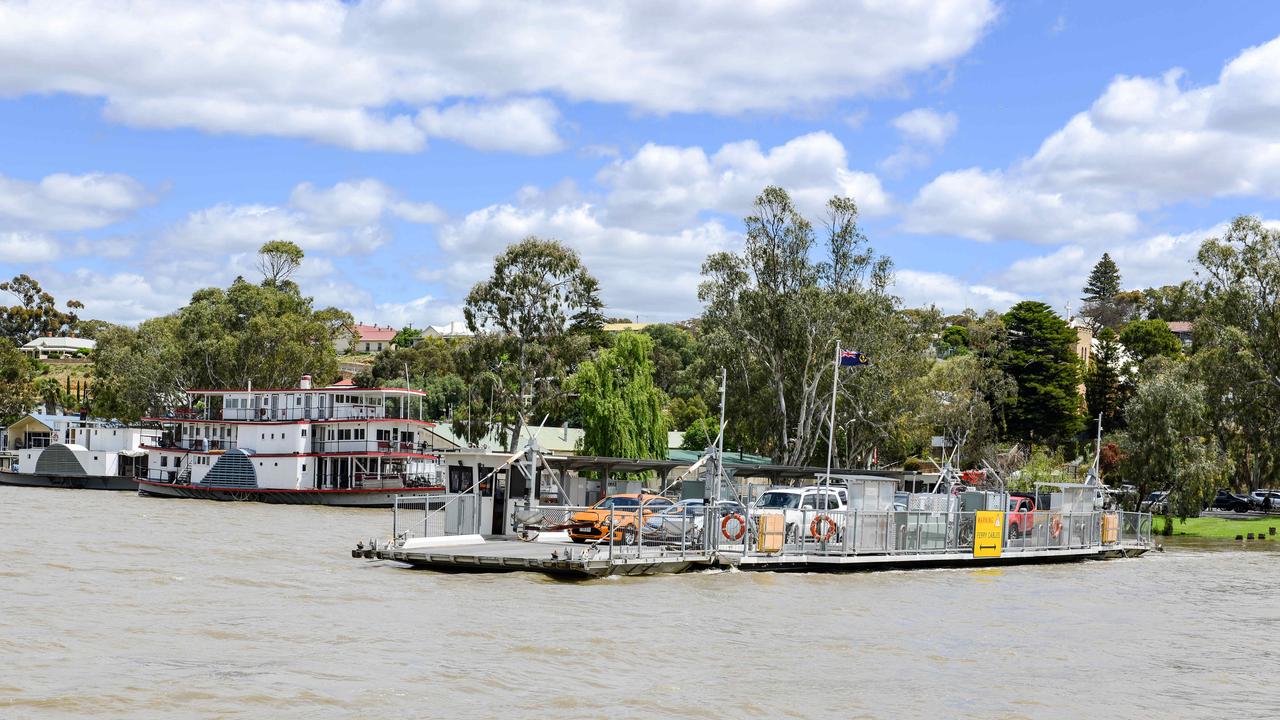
point(621, 408)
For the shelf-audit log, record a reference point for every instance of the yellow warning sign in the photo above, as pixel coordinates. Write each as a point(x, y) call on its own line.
point(988, 533)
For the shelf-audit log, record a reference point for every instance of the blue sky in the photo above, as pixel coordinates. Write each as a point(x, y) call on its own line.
point(996, 149)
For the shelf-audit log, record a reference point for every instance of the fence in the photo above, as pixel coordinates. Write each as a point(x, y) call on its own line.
point(681, 530)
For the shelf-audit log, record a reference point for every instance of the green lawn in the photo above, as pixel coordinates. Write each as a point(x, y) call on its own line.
point(1224, 528)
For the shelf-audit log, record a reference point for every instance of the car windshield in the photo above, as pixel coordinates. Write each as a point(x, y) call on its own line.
point(778, 500)
point(619, 502)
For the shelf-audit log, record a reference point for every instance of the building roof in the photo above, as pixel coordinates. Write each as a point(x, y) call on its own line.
point(60, 343)
point(1181, 326)
point(451, 330)
point(625, 326)
point(373, 333)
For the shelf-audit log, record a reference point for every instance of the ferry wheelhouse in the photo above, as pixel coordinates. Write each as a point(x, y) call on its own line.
point(337, 445)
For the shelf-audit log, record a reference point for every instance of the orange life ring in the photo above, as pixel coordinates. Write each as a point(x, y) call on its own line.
point(742, 527)
point(828, 523)
point(1055, 526)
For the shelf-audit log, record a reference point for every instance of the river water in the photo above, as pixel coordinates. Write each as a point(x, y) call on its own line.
point(118, 606)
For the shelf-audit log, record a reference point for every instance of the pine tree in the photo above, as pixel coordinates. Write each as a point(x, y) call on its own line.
point(1106, 389)
point(1041, 359)
point(1102, 307)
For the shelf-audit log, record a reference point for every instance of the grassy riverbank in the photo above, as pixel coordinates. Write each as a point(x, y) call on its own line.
point(1221, 528)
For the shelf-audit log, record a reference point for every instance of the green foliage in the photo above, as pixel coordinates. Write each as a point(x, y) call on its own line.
point(1145, 339)
point(262, 335)
point(139, 372)
point(1172, 302)
point(278, 260)
point(407, 337)
point(963, 390)
point(91, 329)
point(18, 393)
point(955, 341)
point(535, 317)
point(36, 313)
point(224, 339)
point(1107, 387)
point(1043, 466)
point(772, 316)
point(1041, 359)
point(701, 434)
point(684, 412)
point(431, 357)
point(676, 355)
point(1167, 444)
point(1238, 345)
point(620, 407)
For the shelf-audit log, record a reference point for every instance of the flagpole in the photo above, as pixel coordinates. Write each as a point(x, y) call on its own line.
point(831, 430)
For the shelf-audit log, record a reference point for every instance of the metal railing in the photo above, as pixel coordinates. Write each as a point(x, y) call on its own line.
point(621, 533)
point(370, 447)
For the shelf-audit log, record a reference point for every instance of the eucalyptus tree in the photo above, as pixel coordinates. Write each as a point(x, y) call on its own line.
point(772, 316)
point(1238, 343)
point(18, 393)
point(36, 312)
point(540, 306)
point(279, 260)
point(963, 391)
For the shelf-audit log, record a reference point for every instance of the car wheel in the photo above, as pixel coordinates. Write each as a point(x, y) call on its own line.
point(1242, 508)
point(628, 536)
point(792, 534)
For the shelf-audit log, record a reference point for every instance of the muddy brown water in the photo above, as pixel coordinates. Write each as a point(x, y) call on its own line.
point(118, 606)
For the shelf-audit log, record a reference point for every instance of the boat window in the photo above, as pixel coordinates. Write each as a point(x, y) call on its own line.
point(778, 500)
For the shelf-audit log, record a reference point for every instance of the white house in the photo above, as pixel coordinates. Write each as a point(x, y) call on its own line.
point(365, 339)
point(451, 331)
point(57, 347)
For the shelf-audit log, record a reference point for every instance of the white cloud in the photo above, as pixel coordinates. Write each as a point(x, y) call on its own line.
point(354, 74)
point(652, 273)
point(1146, 143)
point(344, 219)
point(926, 126)
point(664, 187)
point(70, 202)
point(525, 126)
point(359, 202)
point(949, 293)
point(987, 206)
point(27, 247)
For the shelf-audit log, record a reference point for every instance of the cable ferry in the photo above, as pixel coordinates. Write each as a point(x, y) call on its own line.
point(336, 445)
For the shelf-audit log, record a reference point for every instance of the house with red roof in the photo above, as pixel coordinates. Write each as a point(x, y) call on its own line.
point(365, 339)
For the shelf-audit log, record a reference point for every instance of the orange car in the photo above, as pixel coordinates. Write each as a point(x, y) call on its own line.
point(618, 511)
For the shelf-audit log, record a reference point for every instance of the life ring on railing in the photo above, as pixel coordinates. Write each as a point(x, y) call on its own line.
point(742, 527)
point(1055, 527)
point(827, 523)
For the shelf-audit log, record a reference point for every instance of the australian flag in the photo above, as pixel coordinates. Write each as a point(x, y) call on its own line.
point(852, 358)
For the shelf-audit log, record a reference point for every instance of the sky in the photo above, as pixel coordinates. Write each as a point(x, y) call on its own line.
point(995, 149)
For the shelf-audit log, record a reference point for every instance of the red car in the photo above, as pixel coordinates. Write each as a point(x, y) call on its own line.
point(1021, 515)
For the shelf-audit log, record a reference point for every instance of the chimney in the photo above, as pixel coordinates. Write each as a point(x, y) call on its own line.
point(306, 382)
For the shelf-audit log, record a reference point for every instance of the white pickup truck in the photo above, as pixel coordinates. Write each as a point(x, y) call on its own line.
point(801, 505)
